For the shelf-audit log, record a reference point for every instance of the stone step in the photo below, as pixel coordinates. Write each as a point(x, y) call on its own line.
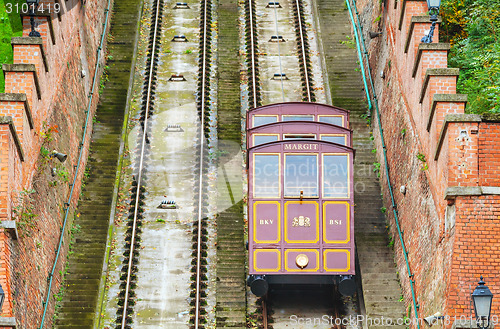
point(79, 303)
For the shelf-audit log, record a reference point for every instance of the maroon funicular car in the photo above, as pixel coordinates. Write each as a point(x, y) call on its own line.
point(300, 196)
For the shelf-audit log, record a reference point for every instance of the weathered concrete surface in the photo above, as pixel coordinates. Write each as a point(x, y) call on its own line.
point(78, 305)
point(278, 57)
point(380, 283)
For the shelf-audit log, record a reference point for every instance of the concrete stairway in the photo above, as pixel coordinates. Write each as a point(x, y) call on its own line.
point(231, 289)
point(231, 292)
point(78, 306)
point(380, 283)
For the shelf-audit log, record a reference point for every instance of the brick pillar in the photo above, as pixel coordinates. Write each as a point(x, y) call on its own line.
point(463, 165)
point(5, 271)
point(17, 107)
point(43, 24)
point(489, 154)
point(437, 81)
point(23, 78)
point(30, 50)
point(11, 154)
point(418, 28)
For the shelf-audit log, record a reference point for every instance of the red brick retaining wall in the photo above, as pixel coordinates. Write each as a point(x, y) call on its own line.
point(43, 109)
point(448, 161)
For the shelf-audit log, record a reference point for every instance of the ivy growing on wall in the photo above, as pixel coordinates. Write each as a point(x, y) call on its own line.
point(473, 29)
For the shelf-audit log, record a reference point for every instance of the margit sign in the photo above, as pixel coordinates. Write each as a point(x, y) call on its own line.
point(300, 147)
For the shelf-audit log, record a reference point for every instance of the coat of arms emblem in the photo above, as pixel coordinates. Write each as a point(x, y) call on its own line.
point(301, 221)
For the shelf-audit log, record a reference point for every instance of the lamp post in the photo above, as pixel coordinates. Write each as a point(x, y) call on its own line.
point(433, 6)
point(482, 298)
point(33, 6)
point(2, 297)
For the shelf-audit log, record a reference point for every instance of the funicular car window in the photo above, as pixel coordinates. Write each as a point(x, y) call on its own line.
point(297, 117)
point(261, 139)
point(339, 139)
point(332, 119)
point(259, 120)
point(336, 176)
point(266, 176)
point(301, 174)
point(298, 136)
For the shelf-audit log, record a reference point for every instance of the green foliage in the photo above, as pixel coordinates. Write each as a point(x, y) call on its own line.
point(24, 212)
point(368, 121)
point(10, 26)
point(47, 132)
point(421, 157)
point(104, 78)
point(45, 153)
point(61, 174)
point(349, 42)
point(75, 229)
point(376, 168)
point(473, 27)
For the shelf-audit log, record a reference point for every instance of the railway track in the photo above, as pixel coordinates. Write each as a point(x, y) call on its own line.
point(302, 52)
point(139, 204)
point(130, 261)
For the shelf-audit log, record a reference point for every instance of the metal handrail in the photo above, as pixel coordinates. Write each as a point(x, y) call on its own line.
point(80, 156)
point(358, 29)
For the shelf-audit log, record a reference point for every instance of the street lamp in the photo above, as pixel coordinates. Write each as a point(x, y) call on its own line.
point(482, 298)
point(433, 6)
point(33, 6)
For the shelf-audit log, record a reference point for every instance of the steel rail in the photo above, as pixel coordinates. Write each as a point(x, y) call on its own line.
point(200, 187)
point(304, 59)
point(141, 163)
point(252, 49)
point(264, 314)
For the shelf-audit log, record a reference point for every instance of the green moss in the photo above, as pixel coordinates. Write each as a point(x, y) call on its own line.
point(10, 26)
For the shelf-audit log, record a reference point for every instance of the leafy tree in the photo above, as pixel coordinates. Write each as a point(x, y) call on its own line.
point(472, 27)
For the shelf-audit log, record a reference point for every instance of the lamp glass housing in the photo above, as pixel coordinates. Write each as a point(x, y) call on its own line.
point(482, 298)
point(433, 3)
point(32, 2)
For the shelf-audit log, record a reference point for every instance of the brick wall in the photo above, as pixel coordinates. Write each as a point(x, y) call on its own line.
point(42, 110)
point(475, 252)
point(489, 155)
point(449, 214)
